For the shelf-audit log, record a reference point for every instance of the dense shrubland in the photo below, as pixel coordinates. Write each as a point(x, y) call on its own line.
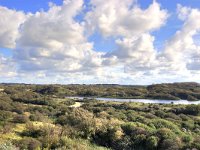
point(175, 91)
point(36, 117)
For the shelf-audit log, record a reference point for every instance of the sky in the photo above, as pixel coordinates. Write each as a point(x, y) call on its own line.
point(99, 42)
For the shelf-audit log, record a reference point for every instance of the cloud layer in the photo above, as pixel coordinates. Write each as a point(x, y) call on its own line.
point(54, 45)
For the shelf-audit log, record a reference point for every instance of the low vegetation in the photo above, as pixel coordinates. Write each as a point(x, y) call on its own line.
point(35, 117)
point(175, 91)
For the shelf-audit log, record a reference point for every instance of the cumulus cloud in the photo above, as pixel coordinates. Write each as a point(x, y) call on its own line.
point(55, 41)
point(181, 54)
point(181, 50)
point(10, 21)
point(133, 25)
point(136, 53)
point(124, 18)
point(54, 45)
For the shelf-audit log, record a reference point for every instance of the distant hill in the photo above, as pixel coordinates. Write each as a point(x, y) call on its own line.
point(171, 91)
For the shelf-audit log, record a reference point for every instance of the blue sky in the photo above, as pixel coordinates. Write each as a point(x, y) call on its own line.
point(107, 49)
point(102, 44)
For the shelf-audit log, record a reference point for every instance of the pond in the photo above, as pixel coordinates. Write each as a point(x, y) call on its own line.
point(149, 101)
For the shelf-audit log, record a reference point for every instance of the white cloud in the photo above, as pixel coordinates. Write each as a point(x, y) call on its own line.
point(54, 41)
point(183, 12)
point(10, 21)
point(135, 47)
point(53, 46)
point(181, 51)
point(136, 53)
point(7, 67)
point(124, 18)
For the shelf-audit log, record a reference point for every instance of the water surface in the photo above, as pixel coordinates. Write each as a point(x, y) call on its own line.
point(148, 101)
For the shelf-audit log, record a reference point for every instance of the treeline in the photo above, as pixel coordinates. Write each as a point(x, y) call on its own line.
point(175, 91)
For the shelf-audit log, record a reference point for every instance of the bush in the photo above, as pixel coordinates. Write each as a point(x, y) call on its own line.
point(196, 143)
point(82, 120)
point(152, 142)
point(192, 110)
point(20, 119)
point(6, 128)
point(50, 136)
point(36, 116)
point(161, 123)
point(165, 133)
point(187, 139)
point(29, 143)
point(5, 115)
point(170, 144)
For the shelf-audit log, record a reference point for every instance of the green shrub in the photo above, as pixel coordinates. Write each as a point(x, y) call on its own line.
point(29, 144)
point(20, 119)
point(5, 115)
point(165, 133)
point(170, 144)
point(152, 142)
point(161, 123)
point(192, 110)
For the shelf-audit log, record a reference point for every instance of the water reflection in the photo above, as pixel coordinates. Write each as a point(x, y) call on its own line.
point(149, 101)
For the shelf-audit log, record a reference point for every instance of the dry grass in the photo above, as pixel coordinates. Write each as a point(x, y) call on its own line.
point(14, 134)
